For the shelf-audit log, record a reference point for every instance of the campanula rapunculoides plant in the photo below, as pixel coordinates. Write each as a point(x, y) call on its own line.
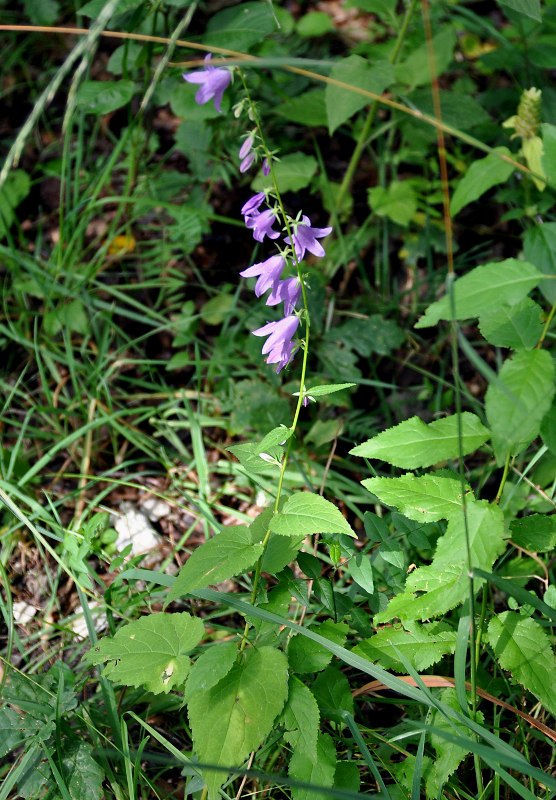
point(275, 679)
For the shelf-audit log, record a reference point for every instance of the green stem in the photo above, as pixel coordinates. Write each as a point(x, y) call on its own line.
point(546, 325)
point(504, 478)
point(365, 130)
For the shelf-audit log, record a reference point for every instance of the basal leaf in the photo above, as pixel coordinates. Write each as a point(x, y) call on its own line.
point(233, 717)
point(341, 104)
point(422, 645)
point(151, 651)
point(305, 513)
point(318, 772)
point(444, 583)
point(301, 718)
point(522, 647)
point(211, 666)
point(518, 326)
point(229, 553)
point(536, 532)
point(483, 289)
point(481, 176)
point(517, 403)
point(427, 498)
point(414, 443)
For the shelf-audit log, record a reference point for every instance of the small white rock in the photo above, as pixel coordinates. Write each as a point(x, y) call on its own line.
point(134, 528)
point(23, 612)
point(79, 625)
point(155, 509)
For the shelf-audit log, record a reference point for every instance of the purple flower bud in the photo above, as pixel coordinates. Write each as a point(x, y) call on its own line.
point(269, 272)
point(279, 345)
point(213, 82)
point(247, 162)
point(287, 291)
point(266, 167)
point(262, 225)
point(253, 204)
point(305, 238)
point(246, 146)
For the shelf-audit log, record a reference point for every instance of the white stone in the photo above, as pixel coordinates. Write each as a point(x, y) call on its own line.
point(23, 612)
point(155, 509)
point(134, 528)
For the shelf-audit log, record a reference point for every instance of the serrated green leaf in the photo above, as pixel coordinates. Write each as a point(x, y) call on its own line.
point(151, 651)
point(341, 104)
point(102, 97)
point(372, 335)
point(233, 718)
point(82, 774)
point(305, 655)
point(280, 551)
point(427, 498)
point(444, 582)
point(536, 533)
point(301, 718)
point(413, 443)
point(483, 289)
point(327, 388)
point(522, 647)
point(415, 70)
point(318, 772)
point(517, 403)
point(211, 667)
point(333, 692)
point(539, 248)
point(518, 326)
point(530, 8)
point(422, 645)
point(229, 553)
point(481, 176)
point(293, 172)
point(305, 513)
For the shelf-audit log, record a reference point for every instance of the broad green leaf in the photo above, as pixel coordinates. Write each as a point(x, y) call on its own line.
point(522, 647)
point(234, 717)
point(305, 513)
point(151, 651)
point(102, 97)
point(375, 334)
point(318, 772)
point(341, 103)
point(250, 459)
point(548, 430)
point(516, 404)
point(293, 172)
point(361, 570)
point(536, 533)
point(427, 498)
point(445, 582)
point(415, 70)
point(481, 176)
point(16, 187)
point(314, 23)
point(280, 551)
point(218, 308)
point(327, 388)
point(333, 692)
point(414, 443)
point(306, 655)
point(530, 8)
point(277, 436)
point(130, 55)
point(306, 109)
point(183, 105)
point(42, 12)
point(240, 26)
point(82, 774)
point(422, 645)
point(461, 111)
point(211, 666)
point(301, 718)
point(483, 289)
point(539, 248)
point(397, 201)
point(229, 553)
point(448, 754)
point(518, 326)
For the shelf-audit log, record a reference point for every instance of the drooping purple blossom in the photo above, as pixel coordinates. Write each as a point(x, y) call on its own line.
point(287, 291)
point(305, 238)
point(261, 224)
point(269, 272)
point(247, 162)
point(279, 345)
point(213, 80)
point(253, 204)
point(247, 146)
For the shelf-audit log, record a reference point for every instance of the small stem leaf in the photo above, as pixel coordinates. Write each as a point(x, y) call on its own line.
point(422, 645)
point(277, 436)
point(522, 647)
point(249, 457)
point(426, 499)
point(317, 772)
point(327, 388)
point(150, 651)
point(413, 443)
point(232, 718)
point(517, 402)
point(301, 718)
point(229, 553)
point(445, 581)
point(211, 667)
point(483, 289)
point(518, 327)
point(305, 513)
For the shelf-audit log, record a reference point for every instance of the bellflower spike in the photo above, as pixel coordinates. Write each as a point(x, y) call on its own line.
point(305, 238)
point(213, 80)
point(269, 272)
point(279, 345)
point(288, 291)
point(262, 225)
point(253, 204)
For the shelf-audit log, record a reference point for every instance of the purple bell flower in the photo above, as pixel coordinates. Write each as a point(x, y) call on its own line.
point(262, 225)
point(279, 345)
point(247, 146)
point(213, 80)
point(247, 162)
point(253, 204)
point(305, 238)
point(287, 291)
point(269, 272)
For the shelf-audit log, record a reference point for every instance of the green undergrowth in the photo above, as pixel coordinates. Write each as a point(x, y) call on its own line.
point(348, 589)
